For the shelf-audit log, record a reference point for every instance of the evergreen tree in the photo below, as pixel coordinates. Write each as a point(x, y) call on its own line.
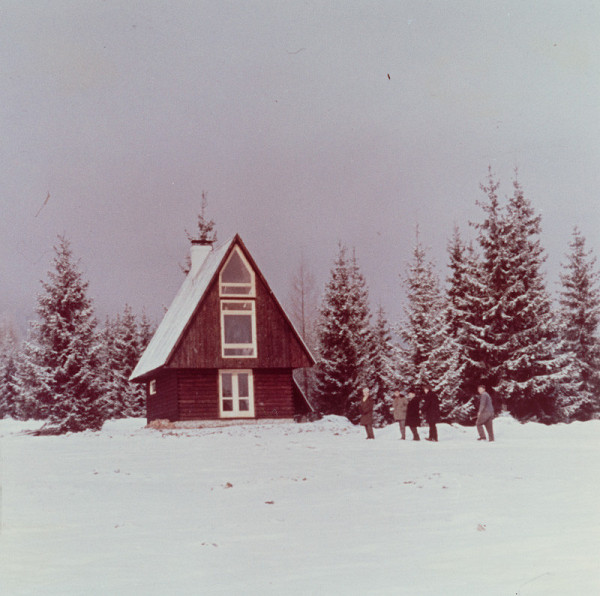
point(423, 330)
point(9, 348)
point(465, 306)
point(123, 341)
point(381, 371)
point(58, 374)
point(344, 339)
point(520, 342)
point(122, 350)
point(580, 318)
point(494, 267)
point(145, 332)
point(445, 366)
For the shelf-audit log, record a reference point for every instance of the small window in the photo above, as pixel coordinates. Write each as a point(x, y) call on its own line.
point(237, 277)
point(238, 329)
point(152, 387)
point(236, 391)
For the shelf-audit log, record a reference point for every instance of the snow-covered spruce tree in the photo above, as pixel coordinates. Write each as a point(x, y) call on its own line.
point(145, 332)
point(465, 299)
point(59, 374)
point(492, 237)
point(381, 372)
point(121, 349)
point(580, 319)
point(9, 350)
point(423, 312)
point(521, 344)
point(344, 339)
point(428, 353)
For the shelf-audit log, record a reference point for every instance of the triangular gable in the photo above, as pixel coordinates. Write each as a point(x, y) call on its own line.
point(179, 315)
point(286, 318)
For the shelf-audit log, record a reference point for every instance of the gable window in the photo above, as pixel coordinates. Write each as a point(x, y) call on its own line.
point(238, 328)
point(236, 394)
point(237, 277)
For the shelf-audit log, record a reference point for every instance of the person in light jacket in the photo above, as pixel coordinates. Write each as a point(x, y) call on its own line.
point(412, 414)
point(485, 416)
point(399, 408)
point(366, 409)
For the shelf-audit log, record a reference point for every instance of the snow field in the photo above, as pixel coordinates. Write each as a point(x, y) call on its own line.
point(300, 509)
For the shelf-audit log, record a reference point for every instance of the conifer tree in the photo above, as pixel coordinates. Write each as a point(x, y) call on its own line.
point(59, 373)
point(580, 319)
point(422, 329)
point(464, 319)
point(520, 342)
point(534, 375)
point(344, 339)
point(445, 366)
point(381, 372)
point(494, 267)
point(145, 332)
point(9, 348)
point(122, 348)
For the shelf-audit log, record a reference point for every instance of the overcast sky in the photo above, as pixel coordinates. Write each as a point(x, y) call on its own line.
point(305, 122)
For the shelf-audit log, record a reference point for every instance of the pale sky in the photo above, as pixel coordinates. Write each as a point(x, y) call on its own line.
point(305, 122)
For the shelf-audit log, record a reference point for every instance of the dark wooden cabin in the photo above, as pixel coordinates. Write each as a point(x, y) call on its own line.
point(225, 348)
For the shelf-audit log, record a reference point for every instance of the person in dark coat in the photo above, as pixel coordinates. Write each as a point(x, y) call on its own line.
point(485, 416)
point(366, 409)
point(412, 415)
point(431, 410)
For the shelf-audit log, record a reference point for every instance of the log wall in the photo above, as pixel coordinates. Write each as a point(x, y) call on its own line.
point(163, 404)
point(198, 394)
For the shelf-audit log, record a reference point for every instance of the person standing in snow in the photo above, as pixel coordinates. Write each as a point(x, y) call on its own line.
point(485, 416)
point(431, 409)
point(399, 406)
point(412, 414)
point(366, 408)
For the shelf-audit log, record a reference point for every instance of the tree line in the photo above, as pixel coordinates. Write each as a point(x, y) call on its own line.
point(70, 370)
point(492, 322)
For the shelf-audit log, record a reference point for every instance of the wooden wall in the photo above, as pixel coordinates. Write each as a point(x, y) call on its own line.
point(198, 395)
point(277, 344)
point(273, 397)
point(194, 395)
point(163, 404)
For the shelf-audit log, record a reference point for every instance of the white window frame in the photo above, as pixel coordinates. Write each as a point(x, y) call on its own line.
point(236, 412)
point(152, 387)
point(251, 285)
point(252, 314)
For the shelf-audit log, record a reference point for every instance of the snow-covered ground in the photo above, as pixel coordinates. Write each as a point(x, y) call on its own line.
point(300, 509)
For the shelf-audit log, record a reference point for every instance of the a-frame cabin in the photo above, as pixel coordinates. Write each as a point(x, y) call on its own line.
point(225, 348)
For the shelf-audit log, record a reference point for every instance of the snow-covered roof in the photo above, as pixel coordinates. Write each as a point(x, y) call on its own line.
point(180, 312)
